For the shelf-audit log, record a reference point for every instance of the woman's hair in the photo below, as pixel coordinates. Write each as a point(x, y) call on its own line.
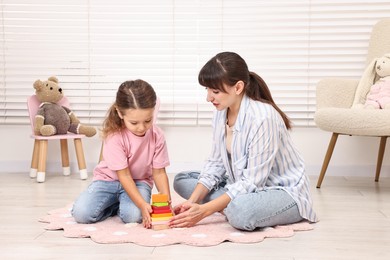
point(132, 94)
point(228, 68)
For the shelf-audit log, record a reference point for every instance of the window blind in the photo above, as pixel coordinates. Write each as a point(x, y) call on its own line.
point(94, 45)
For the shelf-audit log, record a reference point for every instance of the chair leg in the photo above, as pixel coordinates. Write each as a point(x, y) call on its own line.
point(42, 160)
point(380, 157)
point(65, 157)
point(80, 158)
point(34, 160)
point(328, 155)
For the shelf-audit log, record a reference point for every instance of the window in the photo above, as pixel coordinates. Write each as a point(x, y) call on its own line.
point(94, 45)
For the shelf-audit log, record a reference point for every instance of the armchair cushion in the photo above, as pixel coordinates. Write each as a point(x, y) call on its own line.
point(363, 122)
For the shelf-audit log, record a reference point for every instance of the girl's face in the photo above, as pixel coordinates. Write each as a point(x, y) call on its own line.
point(222, 100)
point(138, 121)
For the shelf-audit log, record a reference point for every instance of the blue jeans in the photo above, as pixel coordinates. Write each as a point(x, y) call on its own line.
point(104, 199)
point(247, 211)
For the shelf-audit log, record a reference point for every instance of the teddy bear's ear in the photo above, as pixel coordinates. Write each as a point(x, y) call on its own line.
point(38, 84)
point(54, 79)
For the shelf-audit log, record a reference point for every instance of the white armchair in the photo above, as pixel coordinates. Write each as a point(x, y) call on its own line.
point(335, 97)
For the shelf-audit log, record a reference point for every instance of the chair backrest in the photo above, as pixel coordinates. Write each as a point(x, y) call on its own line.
point(379, 40)
point(33, 106)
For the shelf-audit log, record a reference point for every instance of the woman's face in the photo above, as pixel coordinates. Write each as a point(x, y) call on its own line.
point(222, 100)
point(138, 121)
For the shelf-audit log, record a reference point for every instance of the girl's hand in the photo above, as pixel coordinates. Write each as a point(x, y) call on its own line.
point(146, 219)
point(188, 214)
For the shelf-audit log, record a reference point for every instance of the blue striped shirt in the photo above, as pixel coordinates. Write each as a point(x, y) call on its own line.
point(263, 156)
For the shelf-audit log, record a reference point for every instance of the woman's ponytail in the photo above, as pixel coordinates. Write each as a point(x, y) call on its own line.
point(257, 89)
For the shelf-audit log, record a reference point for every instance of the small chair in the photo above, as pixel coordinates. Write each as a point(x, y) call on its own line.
point(38, 161)
point(335, 98)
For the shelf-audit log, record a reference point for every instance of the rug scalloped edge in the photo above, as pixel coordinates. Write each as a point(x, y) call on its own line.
point(60, 219)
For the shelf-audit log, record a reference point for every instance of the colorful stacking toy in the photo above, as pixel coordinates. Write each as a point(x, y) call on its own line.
point(162, 211)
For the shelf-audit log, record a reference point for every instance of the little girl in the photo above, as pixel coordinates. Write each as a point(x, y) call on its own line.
point(134, 157)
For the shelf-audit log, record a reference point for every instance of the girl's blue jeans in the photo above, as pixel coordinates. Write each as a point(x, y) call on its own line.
point(249, 211)
point(103, 199)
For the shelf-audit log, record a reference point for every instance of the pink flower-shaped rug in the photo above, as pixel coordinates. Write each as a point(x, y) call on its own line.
point(211, 231)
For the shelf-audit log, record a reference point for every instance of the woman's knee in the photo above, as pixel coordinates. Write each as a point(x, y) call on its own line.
point(275, 208)
point(185, 176)
point(177, 181)
point(184, 182)
point(238, 217)
point(182, 179)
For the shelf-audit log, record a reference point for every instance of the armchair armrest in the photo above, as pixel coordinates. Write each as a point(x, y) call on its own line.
point(336, 92)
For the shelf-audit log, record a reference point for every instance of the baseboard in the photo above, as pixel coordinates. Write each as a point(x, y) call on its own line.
point(175, 167)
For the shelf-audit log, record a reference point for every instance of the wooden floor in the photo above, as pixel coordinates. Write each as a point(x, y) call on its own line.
point(354, 213)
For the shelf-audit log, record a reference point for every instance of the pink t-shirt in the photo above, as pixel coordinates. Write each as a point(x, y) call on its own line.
point(140, 154)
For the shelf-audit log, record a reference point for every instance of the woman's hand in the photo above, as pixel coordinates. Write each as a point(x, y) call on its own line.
point(146, 219)
point(179, 208)
point(188, 214)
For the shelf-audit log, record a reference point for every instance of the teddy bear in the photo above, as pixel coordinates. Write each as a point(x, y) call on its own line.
point(373, 91)
point(52, 118)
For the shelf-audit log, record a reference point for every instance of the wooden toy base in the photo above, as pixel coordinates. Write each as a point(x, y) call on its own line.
point(160, 227)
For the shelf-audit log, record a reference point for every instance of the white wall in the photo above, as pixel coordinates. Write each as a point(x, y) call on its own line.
point(189, 146)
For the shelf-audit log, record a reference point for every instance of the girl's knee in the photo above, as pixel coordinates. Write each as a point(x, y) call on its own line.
point(131, 218)
point(82, 216)
point(130, 215)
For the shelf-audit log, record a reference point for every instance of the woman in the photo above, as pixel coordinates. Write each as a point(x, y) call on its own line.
point(254, 175)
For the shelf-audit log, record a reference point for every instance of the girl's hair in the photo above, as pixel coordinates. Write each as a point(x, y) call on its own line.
point(228, 68)
point(132, 94)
